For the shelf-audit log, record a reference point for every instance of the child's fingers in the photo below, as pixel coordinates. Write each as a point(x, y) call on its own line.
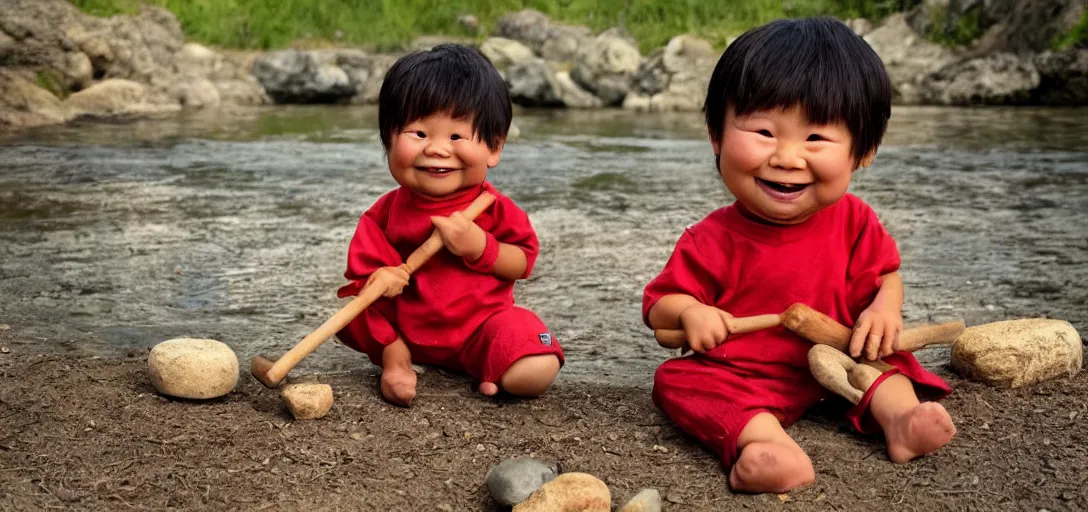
point(857, 340)
point(873, 340)
point(890, 343)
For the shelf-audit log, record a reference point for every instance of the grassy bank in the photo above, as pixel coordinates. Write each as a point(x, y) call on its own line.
point(388, 24)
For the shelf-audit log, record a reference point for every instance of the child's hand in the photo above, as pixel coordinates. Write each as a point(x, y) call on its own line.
point(877, 332)
point(393, 279)
point(704, 326)
point(461, 235)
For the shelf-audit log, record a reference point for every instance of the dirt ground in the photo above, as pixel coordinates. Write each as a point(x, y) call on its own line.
point(91, 434)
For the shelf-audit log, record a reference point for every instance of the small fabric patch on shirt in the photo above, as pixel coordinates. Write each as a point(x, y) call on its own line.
point(546, 338)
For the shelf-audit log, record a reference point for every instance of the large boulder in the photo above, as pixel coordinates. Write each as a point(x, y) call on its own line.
point(907, 57)
point(193, 368)
point(998, 79)
point(547, 38)
point(535, 83)
point(23, 103)
point(293, 76)
point(117, 97)
point(605, 66)
point(1063, 77)
point(504, 53)
point(1016, 353)
point(992, 26)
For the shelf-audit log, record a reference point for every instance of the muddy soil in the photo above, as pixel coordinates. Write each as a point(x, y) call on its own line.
point(92, 434)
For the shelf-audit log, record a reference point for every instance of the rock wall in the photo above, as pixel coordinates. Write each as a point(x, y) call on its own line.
point(59, 64)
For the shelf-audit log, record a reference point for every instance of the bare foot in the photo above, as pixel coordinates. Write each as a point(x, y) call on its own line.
point(919, 431)
point(488, 388)
point(770, 467)
point(399, 384)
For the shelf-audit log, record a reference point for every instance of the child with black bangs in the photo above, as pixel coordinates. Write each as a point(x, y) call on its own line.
point(443, 115)
point(793, 108)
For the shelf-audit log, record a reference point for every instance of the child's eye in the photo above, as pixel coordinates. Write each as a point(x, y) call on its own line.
point(456, 137)
point(420, 134)
point(815, 137)
point(765, 133)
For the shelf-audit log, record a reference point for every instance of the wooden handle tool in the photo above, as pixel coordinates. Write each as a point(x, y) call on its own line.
point(272, 373)
point(675, 338)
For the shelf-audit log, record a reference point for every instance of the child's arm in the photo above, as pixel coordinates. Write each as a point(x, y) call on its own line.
point(465, 238)
point(704, 326)
point(878, 327)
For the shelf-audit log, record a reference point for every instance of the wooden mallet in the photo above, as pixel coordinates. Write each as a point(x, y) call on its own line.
point(272, 373)
point(820, 329)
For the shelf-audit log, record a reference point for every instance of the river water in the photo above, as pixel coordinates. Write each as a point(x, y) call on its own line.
point(234, 225)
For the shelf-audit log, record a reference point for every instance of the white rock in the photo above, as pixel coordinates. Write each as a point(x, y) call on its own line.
point(308, 400)
point(647, 500)
point(193, 368)
point(1016, 353)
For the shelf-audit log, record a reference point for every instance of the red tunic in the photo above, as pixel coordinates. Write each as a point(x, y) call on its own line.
point(832, 262)
point(448, 299)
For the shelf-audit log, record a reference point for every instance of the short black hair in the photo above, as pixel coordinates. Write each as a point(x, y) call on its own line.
point(448, 78)
point(816, 63)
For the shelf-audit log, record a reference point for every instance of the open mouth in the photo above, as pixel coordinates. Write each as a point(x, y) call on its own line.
point(436, 170)
point(782, 190)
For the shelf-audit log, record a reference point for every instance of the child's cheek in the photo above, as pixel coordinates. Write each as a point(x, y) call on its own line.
point(740, 153)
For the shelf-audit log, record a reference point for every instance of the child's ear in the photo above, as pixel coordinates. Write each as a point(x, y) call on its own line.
point(867, 160)
point(496, 154)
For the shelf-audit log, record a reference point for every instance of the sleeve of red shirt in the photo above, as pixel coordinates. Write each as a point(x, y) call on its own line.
point(687, 272)
point(874, 254)
point(511, 226)
point(369, 249)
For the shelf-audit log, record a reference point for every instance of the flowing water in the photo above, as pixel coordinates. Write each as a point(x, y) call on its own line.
point(234, 225)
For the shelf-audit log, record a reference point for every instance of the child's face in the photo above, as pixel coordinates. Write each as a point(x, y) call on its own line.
point(437, 155)
point(782, 168)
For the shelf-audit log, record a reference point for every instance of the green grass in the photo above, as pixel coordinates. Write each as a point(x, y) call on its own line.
point(966, 29)
point(388, 24)
point(1077, 37)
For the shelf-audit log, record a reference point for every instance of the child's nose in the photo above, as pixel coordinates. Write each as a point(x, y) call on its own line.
point(787, 157)
point(437, 147)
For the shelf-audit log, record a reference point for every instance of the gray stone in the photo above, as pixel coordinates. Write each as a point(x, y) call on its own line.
point(514, 480)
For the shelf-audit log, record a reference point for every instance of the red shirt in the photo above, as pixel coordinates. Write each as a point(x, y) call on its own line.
point(445, 301)
point(746, 267)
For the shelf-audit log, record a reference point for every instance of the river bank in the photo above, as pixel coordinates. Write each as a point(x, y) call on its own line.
point(91, 433)
point(60, 64)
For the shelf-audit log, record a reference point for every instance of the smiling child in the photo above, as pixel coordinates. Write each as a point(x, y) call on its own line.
point(443, 118)
point(793, 109)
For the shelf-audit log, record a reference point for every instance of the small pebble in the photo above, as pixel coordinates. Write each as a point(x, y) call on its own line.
point(580, 492)
point(5, 350)
point(4, 327)
point(659, 448)
point(647, 500)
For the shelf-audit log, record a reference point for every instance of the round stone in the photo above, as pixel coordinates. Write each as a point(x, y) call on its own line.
point(193, 368)
point(514, 480)
point(1015, 353)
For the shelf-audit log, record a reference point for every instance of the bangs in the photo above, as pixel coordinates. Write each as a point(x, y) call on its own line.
point(817, 64)
point(450, 79)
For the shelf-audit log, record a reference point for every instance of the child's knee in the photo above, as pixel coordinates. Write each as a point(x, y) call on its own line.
point(530, 375)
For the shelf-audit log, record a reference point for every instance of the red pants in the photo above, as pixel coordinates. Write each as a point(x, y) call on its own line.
point(712, 400)
point(501, 340)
